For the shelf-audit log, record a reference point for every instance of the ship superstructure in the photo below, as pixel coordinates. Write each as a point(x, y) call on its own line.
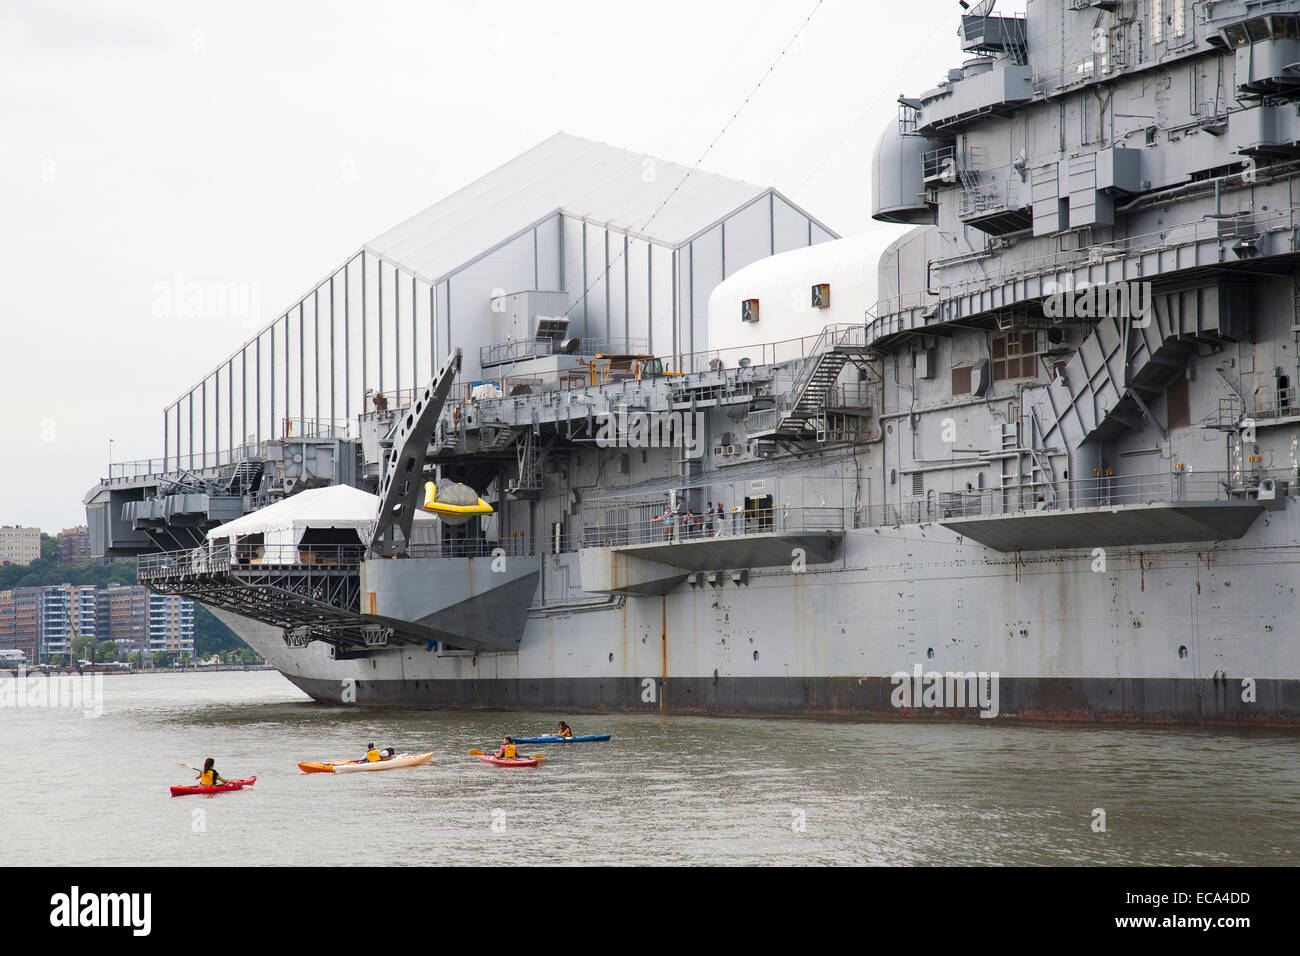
point(1046, 470)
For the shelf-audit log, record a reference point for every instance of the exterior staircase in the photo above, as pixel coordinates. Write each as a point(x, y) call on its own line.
point(496, 436)
point(238, 478)
point(802, 406)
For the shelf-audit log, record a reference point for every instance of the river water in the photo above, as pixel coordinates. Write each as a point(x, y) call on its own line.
point(78, 790)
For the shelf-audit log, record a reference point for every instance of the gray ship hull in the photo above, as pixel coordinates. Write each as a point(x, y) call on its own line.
point(1129, 701)
point(1175, 634)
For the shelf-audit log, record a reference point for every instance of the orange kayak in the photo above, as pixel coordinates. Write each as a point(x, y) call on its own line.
point(360, 766)
point(326, 766)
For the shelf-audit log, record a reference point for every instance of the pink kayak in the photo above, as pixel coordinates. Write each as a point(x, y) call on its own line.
point(219, 788)
point(508, 762)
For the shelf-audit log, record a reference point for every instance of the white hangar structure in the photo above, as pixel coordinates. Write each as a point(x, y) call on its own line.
point(573, 239)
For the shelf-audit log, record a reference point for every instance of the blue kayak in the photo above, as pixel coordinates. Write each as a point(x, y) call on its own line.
point(552, 739)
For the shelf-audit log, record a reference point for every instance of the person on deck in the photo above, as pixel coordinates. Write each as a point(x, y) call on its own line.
point(208, 776)
point(669, 518)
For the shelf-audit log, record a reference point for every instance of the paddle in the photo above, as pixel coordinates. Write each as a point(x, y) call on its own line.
point(182, 763)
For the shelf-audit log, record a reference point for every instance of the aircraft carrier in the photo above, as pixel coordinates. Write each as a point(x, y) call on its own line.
point(1036, 462)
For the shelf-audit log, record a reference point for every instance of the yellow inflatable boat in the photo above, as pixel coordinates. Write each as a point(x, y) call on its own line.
point(453, 513)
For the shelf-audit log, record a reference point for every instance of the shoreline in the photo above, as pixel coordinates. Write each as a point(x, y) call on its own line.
point(115, 671)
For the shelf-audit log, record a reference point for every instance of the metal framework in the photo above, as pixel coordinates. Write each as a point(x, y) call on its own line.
point(309, 600)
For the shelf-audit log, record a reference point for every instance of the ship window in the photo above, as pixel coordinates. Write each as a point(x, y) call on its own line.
point(821, 296)
point(1014, 356)
point(1257, 29)
point(1283, 26)
point(961, 380)
point(749, 310)
point(1178, 406)
point(1235, 35)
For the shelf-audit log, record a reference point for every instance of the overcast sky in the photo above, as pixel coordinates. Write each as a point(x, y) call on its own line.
point(262, 143)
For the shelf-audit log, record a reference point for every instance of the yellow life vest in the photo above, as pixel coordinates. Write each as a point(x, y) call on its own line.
point(208, 778)
point(373, 755)
point(510, 751)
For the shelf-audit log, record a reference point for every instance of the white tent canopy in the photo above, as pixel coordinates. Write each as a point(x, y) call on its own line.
point(283, 524)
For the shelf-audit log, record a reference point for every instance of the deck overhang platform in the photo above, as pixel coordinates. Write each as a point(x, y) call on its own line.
point(656, 568)
point(1110, 527)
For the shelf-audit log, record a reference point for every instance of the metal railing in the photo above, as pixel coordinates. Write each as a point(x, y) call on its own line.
point(514, 547)
point(1279, 403)
point(767, 353)
point(850, 395)
point(686, 527)
point(141, 468)
point(315, 428)
point(979, 200)
point(214, 458)
point(939, 165)
point(711, 360)
point(1233, 413)
point(1074, 494)
point(520, 350)
point(763, 420)
point(219, 559)
point(1203, 230)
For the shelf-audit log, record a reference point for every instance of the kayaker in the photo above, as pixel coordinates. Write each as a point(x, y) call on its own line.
point(373, 755)
point(208, 776)
point(565, 730)
point(508, 750)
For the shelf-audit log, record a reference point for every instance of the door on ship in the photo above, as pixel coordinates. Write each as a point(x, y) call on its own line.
point(758, 514)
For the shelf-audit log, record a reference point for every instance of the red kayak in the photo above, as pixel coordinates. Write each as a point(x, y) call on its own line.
point(508, 761)
point(219, 788)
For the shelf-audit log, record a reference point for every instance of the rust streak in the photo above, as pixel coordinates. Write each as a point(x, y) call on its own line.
point(663, 649)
